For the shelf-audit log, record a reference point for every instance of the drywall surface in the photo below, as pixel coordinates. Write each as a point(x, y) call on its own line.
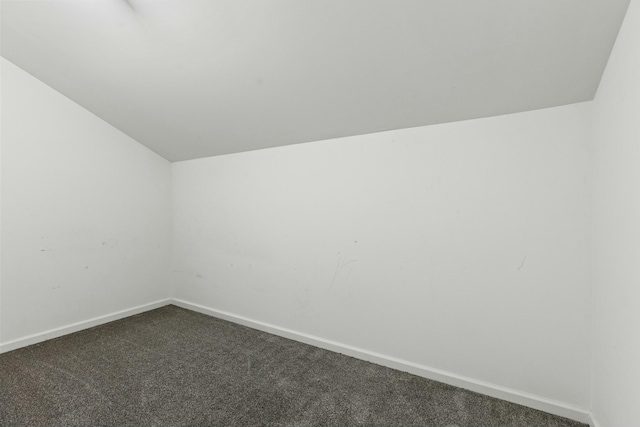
point(616, 294)
point(85, 213)
point(242, 75)
point(462, 247)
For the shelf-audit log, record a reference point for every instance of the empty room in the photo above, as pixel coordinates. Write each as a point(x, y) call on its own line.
point(320, 213)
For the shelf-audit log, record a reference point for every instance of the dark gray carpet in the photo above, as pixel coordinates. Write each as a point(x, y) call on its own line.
point(174, 367)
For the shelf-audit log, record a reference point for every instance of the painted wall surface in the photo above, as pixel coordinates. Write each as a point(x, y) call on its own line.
point(85, 213)
point(462, 247)
point(616, 295)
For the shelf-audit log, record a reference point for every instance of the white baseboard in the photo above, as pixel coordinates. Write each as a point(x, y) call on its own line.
point(526, 399)
point(79, 326)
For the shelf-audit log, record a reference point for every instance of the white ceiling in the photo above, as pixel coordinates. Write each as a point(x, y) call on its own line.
point(192, 78)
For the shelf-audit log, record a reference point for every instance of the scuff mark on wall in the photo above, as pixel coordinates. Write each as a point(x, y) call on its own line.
point(341, 265)
point(522, 263)
point(196, 275)
point(110, 243)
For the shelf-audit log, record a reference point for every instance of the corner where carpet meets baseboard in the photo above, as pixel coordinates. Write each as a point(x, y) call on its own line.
point(536, 402)
point(593, 422)
point(526, 399)
point(79, 326)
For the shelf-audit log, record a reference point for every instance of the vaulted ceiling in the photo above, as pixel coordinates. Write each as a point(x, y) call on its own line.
point(191, 78)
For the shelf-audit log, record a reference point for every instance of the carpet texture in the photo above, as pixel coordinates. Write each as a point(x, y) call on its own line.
point(175, 367)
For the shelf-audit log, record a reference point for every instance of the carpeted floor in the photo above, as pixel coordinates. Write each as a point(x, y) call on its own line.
point(174, 367)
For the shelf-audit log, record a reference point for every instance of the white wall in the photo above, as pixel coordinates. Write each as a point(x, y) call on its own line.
point(462, 247)
point(616, 295)
point(85, 213)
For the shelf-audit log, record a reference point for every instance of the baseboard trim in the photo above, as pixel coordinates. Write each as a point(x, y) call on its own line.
point(79, 326)
point(526, 399)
